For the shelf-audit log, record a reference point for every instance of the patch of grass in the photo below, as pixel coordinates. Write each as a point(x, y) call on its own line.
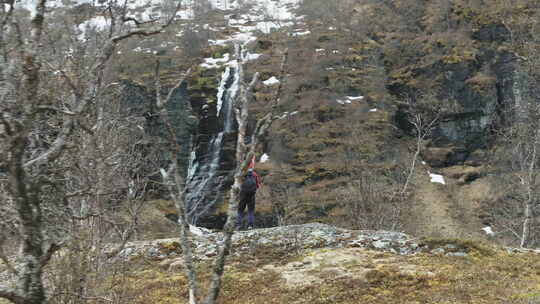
point(493, 277)
point(469, 246)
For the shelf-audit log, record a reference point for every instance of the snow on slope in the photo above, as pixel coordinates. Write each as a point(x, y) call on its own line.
point(259, 15)
point(275, 11)
point(263, 16)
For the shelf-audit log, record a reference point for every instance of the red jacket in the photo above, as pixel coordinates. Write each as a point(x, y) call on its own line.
point(258, 179)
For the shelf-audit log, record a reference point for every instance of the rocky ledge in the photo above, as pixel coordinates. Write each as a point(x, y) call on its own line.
point(294, 238)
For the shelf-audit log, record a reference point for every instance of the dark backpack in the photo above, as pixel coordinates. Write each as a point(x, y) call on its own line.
point(249, 185)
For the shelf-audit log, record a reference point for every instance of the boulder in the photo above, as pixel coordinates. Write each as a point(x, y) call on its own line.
point(176, 265)
point(476, 158)
point(464, 174)
point(264, 44)
point(439, 157)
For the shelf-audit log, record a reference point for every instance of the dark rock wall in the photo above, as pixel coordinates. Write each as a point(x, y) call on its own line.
point(483, 90)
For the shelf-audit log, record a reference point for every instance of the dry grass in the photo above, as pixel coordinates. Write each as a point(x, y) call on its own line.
point(487, 275)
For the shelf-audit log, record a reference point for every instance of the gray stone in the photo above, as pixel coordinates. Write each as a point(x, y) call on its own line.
point(126, 252)
point(438, 251)
point(380, 244)
point(176, 265)
point(165, 264)
point(450, 246)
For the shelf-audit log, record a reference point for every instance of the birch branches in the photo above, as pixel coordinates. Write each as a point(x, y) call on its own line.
point(43, 103)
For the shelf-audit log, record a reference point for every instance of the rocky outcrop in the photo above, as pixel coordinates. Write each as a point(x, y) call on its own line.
point(296, 238)
point(475, 89)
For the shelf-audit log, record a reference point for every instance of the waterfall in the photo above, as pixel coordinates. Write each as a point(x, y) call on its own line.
point(207, 171)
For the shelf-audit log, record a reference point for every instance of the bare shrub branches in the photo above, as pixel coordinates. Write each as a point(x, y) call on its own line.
point(45, 169)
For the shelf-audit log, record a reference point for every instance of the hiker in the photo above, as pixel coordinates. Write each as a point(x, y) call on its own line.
point(247, 198)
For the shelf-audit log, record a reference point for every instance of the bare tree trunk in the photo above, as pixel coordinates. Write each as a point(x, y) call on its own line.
point(423, 126)
point(413, 162)
point(244, 153)
point(530, 182)
point(526, 234)
point(25, 189)
point(175, 184)
point(26, 176)
point(242, 161)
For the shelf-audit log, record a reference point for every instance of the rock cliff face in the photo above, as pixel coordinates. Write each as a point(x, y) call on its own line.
point(481, 90)
point(138, 103)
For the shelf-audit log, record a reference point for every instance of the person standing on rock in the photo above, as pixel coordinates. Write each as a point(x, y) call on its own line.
point(248, 190)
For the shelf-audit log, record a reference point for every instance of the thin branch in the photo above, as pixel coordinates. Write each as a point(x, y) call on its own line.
point(82, 297)
point(137, 22)
point(281, 79)
point(65, 76)
point(55, 109)
point(142, 33)
point(5, 260)
point(11, 295)
point(174, 185)
point(56, 148)
point(48, 254)
point(242, 161)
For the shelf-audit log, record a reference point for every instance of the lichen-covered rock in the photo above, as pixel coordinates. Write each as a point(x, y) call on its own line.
point(296, 238)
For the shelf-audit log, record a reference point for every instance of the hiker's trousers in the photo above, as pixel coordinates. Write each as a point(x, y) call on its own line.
point(246, 200)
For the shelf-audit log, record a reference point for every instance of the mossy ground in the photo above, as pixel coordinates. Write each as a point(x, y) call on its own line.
point(486, 275)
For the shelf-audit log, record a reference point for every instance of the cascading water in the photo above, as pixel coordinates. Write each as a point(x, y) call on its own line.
point(213, 153)
point(207, 172)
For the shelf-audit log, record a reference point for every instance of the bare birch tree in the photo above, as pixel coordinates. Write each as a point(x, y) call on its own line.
point(37, 126)
point(244, 153)
point(517, 155)
point(423, 119)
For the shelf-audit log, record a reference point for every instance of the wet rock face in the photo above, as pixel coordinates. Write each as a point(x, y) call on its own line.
point(213, 148)
point(138, 103)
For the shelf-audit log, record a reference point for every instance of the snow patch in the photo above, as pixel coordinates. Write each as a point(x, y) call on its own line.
point(373, 110)
point(287, 114)
point(250, 56)
point(343, 101)
point(213, 63)
point(271, 81)
point(199, 231)
point(437, 178)
point(301, 33)
point(98, 23)
point(353, 98)
point(488, 230)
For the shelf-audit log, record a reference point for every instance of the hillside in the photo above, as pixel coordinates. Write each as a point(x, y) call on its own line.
point(316, 263)
point(400, 163)
point(344, 145)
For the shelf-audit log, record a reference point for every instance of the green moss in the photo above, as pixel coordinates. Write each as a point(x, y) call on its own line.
point(458, 55)
point(461, 244)
point(170, 247)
